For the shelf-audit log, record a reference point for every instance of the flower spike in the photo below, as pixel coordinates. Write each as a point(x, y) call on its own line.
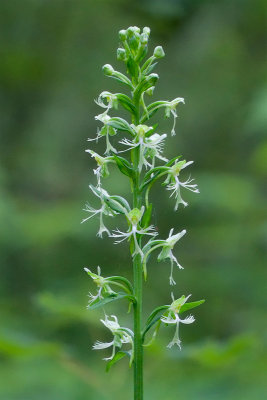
point(144, 163)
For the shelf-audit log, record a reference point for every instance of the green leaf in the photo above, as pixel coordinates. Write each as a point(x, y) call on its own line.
point(126, 102)
point(189, 306)
point(124, 166)
point(152, 243)
point(151, 131)
point(112, 297)
point(123, 280)
point(150, 68)
point(118, 356)
point(152, 109)
point(156, 172)
point(147, 216)
point(146, 83)
point(121, 124)
point(118, 76)
point(153, 318)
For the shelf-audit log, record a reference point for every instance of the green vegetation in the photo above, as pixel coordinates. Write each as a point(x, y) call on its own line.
point(51, 52)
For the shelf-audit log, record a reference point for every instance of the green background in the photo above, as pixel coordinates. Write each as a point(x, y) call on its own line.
point(50, 72)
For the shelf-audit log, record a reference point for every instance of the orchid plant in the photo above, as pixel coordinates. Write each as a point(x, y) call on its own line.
point(140, 157)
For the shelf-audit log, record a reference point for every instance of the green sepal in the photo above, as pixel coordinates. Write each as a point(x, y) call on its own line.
point(124, 166)
point(118, 356)
point(189, 306)
point(126, 102)
point(147, 216)
point(121, 124)
point(112, 297)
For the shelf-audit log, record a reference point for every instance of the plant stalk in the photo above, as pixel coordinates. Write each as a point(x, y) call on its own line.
point(138, 283)
point(138, 346)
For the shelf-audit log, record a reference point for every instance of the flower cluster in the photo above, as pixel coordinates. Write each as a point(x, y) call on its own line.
point(136, 148)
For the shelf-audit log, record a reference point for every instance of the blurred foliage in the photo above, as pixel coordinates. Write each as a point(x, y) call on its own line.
point(50, 72)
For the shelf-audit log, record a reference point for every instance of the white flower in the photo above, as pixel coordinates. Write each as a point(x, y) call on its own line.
point(134, 217)
point(121, 336)
point(166, 251)
point(102, 162)
point(150, 147)
point(103, 210)
point(174, 183)
point(173, 318)
point(110, 98)
point(105, 131)
point(171, 109)
point(102, 284)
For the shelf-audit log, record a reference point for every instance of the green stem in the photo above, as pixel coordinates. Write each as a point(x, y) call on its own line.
point(138, 342)
point(138, 283)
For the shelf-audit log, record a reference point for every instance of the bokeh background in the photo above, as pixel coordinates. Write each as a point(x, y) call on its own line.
point(51, 57)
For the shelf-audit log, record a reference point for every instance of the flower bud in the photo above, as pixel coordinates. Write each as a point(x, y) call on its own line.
point(158, 52)
point(108, 69)
point(121, 54)
point(123, 35)
point(133, 37)
point(133, 30)
point(146, 30)
point(150, 91)
point(153, 78)
point(144, 38)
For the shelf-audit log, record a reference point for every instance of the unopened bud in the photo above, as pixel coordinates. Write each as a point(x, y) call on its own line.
point(144, 38)
point(121, 54)
point(150, 91)
point(146, 30)
point(153, 78)
point(108, 69)
point(123, 35)
point(133, 30)
point(158, 52)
